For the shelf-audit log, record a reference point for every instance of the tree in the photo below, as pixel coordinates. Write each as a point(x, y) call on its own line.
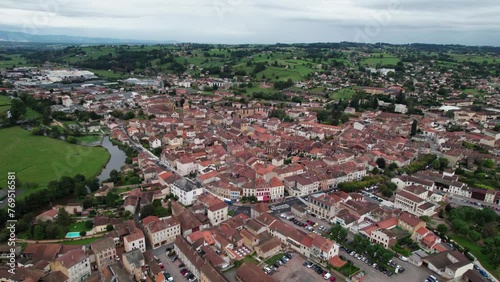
point(147, 210)
point(17, 109)
point(111, 198)
point(63, 217)
point(474, 235)
point(80, 189)
point(83, 233)
point(436, 164)
point(93, 184)
point(414, 128)
point(87, 203)
point(109, 227)
point(393, 166)
point(442, 228)
point(492, 249)
point(39, 232)
point(381, 163)
point(448, 208)
point(488, 163)
point(89, 224)
point(460, 226)
point(441, 213)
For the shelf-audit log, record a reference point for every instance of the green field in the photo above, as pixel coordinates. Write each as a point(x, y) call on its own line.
point(31, 114)
point(89, 138)
point(344, 93)
point(15, 60)
point(475, 249)
point(385, 60)
point(4, 103)
point(40, 159)
point(78, 227)
point(475, 58)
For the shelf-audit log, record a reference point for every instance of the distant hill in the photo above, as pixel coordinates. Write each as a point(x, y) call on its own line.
point(65, 39)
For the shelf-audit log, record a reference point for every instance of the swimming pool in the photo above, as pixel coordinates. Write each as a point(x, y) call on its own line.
point(72, 234)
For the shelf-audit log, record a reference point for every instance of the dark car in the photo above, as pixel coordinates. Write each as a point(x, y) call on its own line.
point(319, 271)
point(389, 273)
point(182, 265)
point(289, 255)
point(305, 263)
point(277, 265)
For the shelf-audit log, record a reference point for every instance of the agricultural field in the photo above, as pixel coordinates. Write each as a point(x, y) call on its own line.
point(376, 59)
point(475, 58)
point(39, 160)
point(13, 60)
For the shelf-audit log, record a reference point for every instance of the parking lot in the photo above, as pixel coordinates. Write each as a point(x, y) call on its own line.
point(411, 273)
point(285, 206)
point(295, 271)
point(171, 267)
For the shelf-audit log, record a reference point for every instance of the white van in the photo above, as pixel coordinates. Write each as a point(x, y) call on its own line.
point(403, 258)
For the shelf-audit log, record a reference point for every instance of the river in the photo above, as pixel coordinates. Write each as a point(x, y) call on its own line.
point(117, 160)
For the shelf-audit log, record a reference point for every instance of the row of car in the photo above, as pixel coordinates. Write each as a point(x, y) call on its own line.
point(319, 270)
point(182, 267)
point(366, 260)
point(282, 261)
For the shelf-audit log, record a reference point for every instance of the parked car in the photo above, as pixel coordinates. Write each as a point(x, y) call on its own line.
point(182, 265)
point(332, 279)
point(174, 258)
point(327, 276)
point(483, 272)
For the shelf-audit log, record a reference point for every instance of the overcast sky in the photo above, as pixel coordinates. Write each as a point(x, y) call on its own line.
point(261, 21)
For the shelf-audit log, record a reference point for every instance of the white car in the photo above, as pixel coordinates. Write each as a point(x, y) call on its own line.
point(327, 276)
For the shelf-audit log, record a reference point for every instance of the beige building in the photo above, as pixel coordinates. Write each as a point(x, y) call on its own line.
point(269, 248)
point(135, 240)
point(217, 213)
point(104, 251)
point(133, 262)
point(162, 232)
point(324, 205)
point(413, 204)
point(75, 264)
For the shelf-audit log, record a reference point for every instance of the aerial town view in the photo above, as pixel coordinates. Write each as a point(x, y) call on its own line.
point(249, 141)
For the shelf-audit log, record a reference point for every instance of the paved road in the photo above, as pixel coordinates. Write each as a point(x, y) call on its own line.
point(240, 209)
point(433, 147)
